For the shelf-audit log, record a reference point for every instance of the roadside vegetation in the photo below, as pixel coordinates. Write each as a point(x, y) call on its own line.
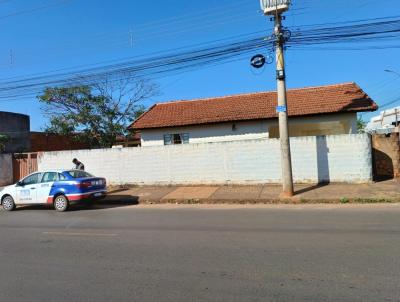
point(99, 113)
point(4, 139)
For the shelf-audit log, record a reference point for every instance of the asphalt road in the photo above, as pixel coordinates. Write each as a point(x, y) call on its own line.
point(288, 253)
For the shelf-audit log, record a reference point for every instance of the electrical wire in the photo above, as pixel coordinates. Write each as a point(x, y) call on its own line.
point(34, 9)
point(357, 34)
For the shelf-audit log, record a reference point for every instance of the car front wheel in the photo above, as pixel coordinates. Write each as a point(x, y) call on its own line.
point(8, 203)
point(61, 203)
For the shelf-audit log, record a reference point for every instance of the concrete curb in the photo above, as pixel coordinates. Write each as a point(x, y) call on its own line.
point(271, 201)
point(376, 193)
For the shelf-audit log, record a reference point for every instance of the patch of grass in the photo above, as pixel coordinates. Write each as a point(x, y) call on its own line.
point(192, 201)
point(373, 200)
point(344, 200)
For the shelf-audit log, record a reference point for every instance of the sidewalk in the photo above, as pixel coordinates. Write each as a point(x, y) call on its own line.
point(387, 191)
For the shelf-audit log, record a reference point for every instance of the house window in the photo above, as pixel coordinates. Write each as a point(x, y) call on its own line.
point(176, 139)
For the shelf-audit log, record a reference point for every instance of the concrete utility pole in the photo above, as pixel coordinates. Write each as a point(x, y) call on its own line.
point(276, 8)
point(286, 161)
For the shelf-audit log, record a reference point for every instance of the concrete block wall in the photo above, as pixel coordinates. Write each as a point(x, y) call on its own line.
point(342, 158)
point(6, 169)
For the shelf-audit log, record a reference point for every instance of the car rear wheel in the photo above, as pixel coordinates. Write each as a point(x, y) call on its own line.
point(8, 203)
point(61, 203)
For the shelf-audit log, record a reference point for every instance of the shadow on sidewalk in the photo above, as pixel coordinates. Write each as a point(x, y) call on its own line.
point(311, 188)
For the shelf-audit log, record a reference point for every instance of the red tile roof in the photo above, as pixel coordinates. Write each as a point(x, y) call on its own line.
point(347, 97)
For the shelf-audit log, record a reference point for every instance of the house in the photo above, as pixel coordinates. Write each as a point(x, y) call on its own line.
point(386, 122)
point(313, 111)
point(130, 140)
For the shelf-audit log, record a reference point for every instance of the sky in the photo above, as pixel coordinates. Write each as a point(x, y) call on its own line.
point(45, 35)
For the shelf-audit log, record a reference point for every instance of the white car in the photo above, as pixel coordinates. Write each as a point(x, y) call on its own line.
point(56, 187)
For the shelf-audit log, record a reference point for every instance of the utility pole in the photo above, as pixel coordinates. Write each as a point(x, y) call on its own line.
point(276, 8)
point(286, 161)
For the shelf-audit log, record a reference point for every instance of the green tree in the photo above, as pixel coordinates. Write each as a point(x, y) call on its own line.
point(4, 139)
point(361, 124)
point(140, 110)
point(97, 113)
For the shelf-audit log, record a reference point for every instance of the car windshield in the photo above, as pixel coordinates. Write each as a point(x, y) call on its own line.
point(79, 174)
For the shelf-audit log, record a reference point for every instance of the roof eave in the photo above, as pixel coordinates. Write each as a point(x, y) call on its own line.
point(374, 108)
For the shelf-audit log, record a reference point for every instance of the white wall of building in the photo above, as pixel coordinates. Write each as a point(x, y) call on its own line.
point(209, 133)
point(6, 169)
point(341, 158)
point(344, 123)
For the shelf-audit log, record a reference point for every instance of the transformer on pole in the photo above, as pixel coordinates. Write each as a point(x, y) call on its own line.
point(274, 7)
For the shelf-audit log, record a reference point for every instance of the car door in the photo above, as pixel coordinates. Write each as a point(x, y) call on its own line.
point(27, 189)
point(44, 187)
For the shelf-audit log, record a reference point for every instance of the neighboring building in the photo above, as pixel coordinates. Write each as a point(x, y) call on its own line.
point(41, 141)
point(131, 140)
point(313, 111)
point(386, 155)
point(16, 128)
point(386, 122)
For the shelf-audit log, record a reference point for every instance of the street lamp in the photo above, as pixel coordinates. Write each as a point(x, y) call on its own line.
point(274, 7)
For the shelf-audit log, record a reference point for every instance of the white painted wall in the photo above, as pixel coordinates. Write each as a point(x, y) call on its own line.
point(6, 169)
point(249, 130)
point(209, 133)
point(342, 158)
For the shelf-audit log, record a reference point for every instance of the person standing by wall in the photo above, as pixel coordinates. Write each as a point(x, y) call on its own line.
point(78, 165)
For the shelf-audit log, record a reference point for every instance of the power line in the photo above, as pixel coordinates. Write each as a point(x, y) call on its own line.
point(147, 28)
point(390, 103)
point(125, 38)
point(33, 9)
point(210, 54)
point(211, 18)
